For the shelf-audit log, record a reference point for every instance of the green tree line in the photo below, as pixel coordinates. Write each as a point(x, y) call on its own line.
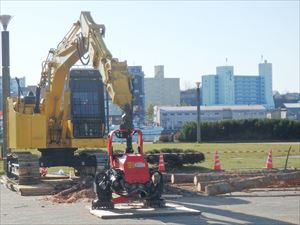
point(242, 130)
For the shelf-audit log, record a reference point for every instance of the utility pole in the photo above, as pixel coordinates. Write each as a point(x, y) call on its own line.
point(4, 19)
point(198, 113)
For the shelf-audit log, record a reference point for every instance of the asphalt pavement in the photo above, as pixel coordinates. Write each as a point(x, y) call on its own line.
point(261, 207)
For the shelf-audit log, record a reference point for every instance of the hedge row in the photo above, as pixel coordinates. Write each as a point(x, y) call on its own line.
point(243, 130)
point(175, 157)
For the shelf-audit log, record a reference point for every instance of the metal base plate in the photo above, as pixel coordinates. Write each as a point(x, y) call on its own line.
point(137, 211)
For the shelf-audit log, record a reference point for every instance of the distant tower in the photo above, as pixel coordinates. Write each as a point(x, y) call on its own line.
point(265, 71)
point(159, 71)
point(225, 85)
point(139, 94)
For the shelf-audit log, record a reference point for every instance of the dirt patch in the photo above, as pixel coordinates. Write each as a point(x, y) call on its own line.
point(77, 190)
point(86, 195)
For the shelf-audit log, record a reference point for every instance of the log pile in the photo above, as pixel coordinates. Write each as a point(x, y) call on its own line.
point(182, 178)
point(237, 184)
point(215, 183)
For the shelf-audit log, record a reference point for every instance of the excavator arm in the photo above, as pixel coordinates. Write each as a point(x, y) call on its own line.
point(85, 36)
point(49, 126)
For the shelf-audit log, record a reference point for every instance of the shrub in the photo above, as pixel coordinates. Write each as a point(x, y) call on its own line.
point(164, 138)
point(174, 157)
point(243, 130)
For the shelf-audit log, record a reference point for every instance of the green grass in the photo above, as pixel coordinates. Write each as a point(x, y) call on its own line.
point(240, 159)
point(56, 169)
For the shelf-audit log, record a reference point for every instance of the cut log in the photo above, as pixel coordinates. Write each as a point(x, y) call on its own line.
point(253, 182)
point(212, 177)
point(206, 177)
point(202, 184)
point(182, 178)
point(167, 178)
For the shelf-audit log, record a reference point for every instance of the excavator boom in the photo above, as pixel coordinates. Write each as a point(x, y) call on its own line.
point(61, 122)
point(84, 37)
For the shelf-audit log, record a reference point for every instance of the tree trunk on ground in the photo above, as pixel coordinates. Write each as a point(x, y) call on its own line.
point(202, 184)
point(211, 177)
point(167, 178)
point(182, 178)
point(206, 177)
point(254, 182)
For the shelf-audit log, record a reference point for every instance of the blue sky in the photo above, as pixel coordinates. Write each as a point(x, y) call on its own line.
point(189, 38)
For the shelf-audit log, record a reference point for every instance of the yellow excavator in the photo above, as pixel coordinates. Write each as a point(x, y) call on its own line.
point(67, 111)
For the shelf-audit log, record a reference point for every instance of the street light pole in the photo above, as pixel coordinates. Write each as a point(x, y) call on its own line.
point(198, 113)
point(4, 19)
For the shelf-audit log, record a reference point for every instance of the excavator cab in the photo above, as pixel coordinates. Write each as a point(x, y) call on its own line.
point(87, 103)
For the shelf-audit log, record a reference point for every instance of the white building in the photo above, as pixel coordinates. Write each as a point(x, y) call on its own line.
point(225, 85)
point(265, 72)
point(160, 90)
point(226, 88)
point(291, 111)
point(209, 89)
point(173, 118)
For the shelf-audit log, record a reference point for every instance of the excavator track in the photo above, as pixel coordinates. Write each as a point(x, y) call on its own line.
point(23, 168)
point(101, 163)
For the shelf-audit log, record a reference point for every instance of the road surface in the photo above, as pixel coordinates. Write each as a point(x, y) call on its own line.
point(272, 207)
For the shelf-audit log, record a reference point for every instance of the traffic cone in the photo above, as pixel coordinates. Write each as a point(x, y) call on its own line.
point(217, 165)
point(43, 171)
point(269, 163)
point(161, 165)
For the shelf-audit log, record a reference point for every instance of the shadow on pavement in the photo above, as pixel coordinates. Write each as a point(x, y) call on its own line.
point(220, 216)
point(209, 200)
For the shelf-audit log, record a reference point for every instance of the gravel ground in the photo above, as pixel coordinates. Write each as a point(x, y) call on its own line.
point(259, 207)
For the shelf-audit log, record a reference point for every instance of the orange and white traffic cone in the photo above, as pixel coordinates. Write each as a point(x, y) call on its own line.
point(217, 164)
point(269, 163)
point(43, 171)
point(161, 165)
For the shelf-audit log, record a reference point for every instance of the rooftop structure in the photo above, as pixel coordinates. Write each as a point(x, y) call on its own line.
point(291, 111)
